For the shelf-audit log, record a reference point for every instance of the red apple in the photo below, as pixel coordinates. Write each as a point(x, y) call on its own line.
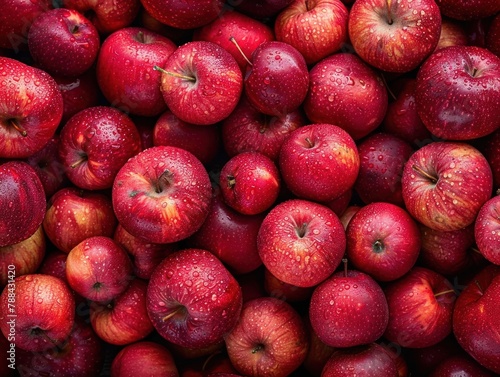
point(162, 195)
point(277, 80)
point(203, 142)
point(394, 36)
point(371, 360)
point(491, 151)
point(262, 9)
point(74, 215)
point(318, 352)
point(95, 144)
point(192, 299)
point(37, 312)
point(340, 204)
point(144, 359)
point(348, 214)
point(22, 258)
point(124, 70)
point(319, 162)
point(348, 93)
point(382, 157)
point(123, 320)
point(32, 110)
point(420, 308)
point(445, 184)
point(487, 230)
point(201, 82)
point(230, 236)
point(184, 15)
point(54, 264)
point(269, 339)
point(348, 309)
point(23, 202)
point(476, 318)
point(468, 10)
point(247, 129)
point(493, 36)
point(81, 354)
point(458, 93)
point(249, 32)
point(58, 33)
point(315, 28)
point(106, 15)
point(98, 269)
point(301, 242)
point(461, 366)
point(383, 241)
point(452, 34)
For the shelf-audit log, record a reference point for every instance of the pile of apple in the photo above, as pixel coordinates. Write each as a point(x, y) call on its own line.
point(250, 188)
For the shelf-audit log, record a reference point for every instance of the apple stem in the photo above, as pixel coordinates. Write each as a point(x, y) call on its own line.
point(389, 90)
point(78, 162)
point(479, 286)
point(14, 123)
point(311, 144)
point(231, 181)
point(421, 171)
point(389, 14)
point(345, 262)
point(444, 292)
point(177, 75)
point(233, 40)
point(179, 309)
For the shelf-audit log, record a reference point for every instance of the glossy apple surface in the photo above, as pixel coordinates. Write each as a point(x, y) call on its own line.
point(487, 230)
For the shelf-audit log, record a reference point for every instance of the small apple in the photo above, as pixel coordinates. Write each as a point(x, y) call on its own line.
point(58, 33)
point(487, 230)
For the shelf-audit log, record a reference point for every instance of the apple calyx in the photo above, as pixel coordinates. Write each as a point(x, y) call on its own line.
point(180, 309)
point(259, 347)
point(423, 173)
point(174, 74)
point(164, 180)
point(231, 181)
point(14, 123)
point(233, 40)
point(97, 286)
point(378, 247)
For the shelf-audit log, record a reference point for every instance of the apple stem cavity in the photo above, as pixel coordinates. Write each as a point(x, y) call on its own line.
point(301, 230)
point(423, 173)
point(179, 309)
point(164, 180)
point(444, 292)
point(15, 124)
point(173, 74)
point(390, 21)
point(231, 181)
point(309, 142)
point(233, 40)
point(378, 247)
point(79, 162)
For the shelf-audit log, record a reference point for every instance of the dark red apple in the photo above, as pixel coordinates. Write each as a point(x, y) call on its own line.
point(262, 9)
point(383, 241)
point(192, 299)
point(201, 82)
point(23, 202)
point(95, 144)
point(487, 230)
point(54, 264)
point(346, 92)
point(58, 33)
point(460, 366)
point(301, 242)
point(493, 36)
point(32, 110)
point(468, 9)
point(318, 352)
point(162, 195)
point(124, 70)
point(348, 309)
point(394, 36)
point(269, 339)
point(98, 269)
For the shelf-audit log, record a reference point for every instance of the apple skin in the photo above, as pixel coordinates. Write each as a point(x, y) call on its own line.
point(319, 162)
point(491, 151)
point(394, 36)
point(382, 157)
point(125, 319)
point(23, 202)
point(95, 144)
point(445, 184)
point(136, 89)
point(26, 126)
point(58, 33)
point(493, 36)
point(44, 309)
point(475, 318)
point(106, 15)
point(383, 240)
point(203, 142)
point(98, 269)
point(142, 359)
point(348, 309)
point(192, 299)
point(74, 215)
point(81, 354)
point(277, 81)
point(210, 86)
point(318, 352)
point(16, 19)
point(452, 82)
point(269, 339)
point(231, 236)
point(346, 92)
point(487, 228)
point(459, 365)
point(452, 34)
point(370, 360)
point(182, 15)
point(249, 32)
point(262, 9)
point(24, 257)
point(316, 29)
point(247, 129)
point(464, 10)
point(162, 195)
point(301, 242)
point(421, 305)
point(54, 264)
